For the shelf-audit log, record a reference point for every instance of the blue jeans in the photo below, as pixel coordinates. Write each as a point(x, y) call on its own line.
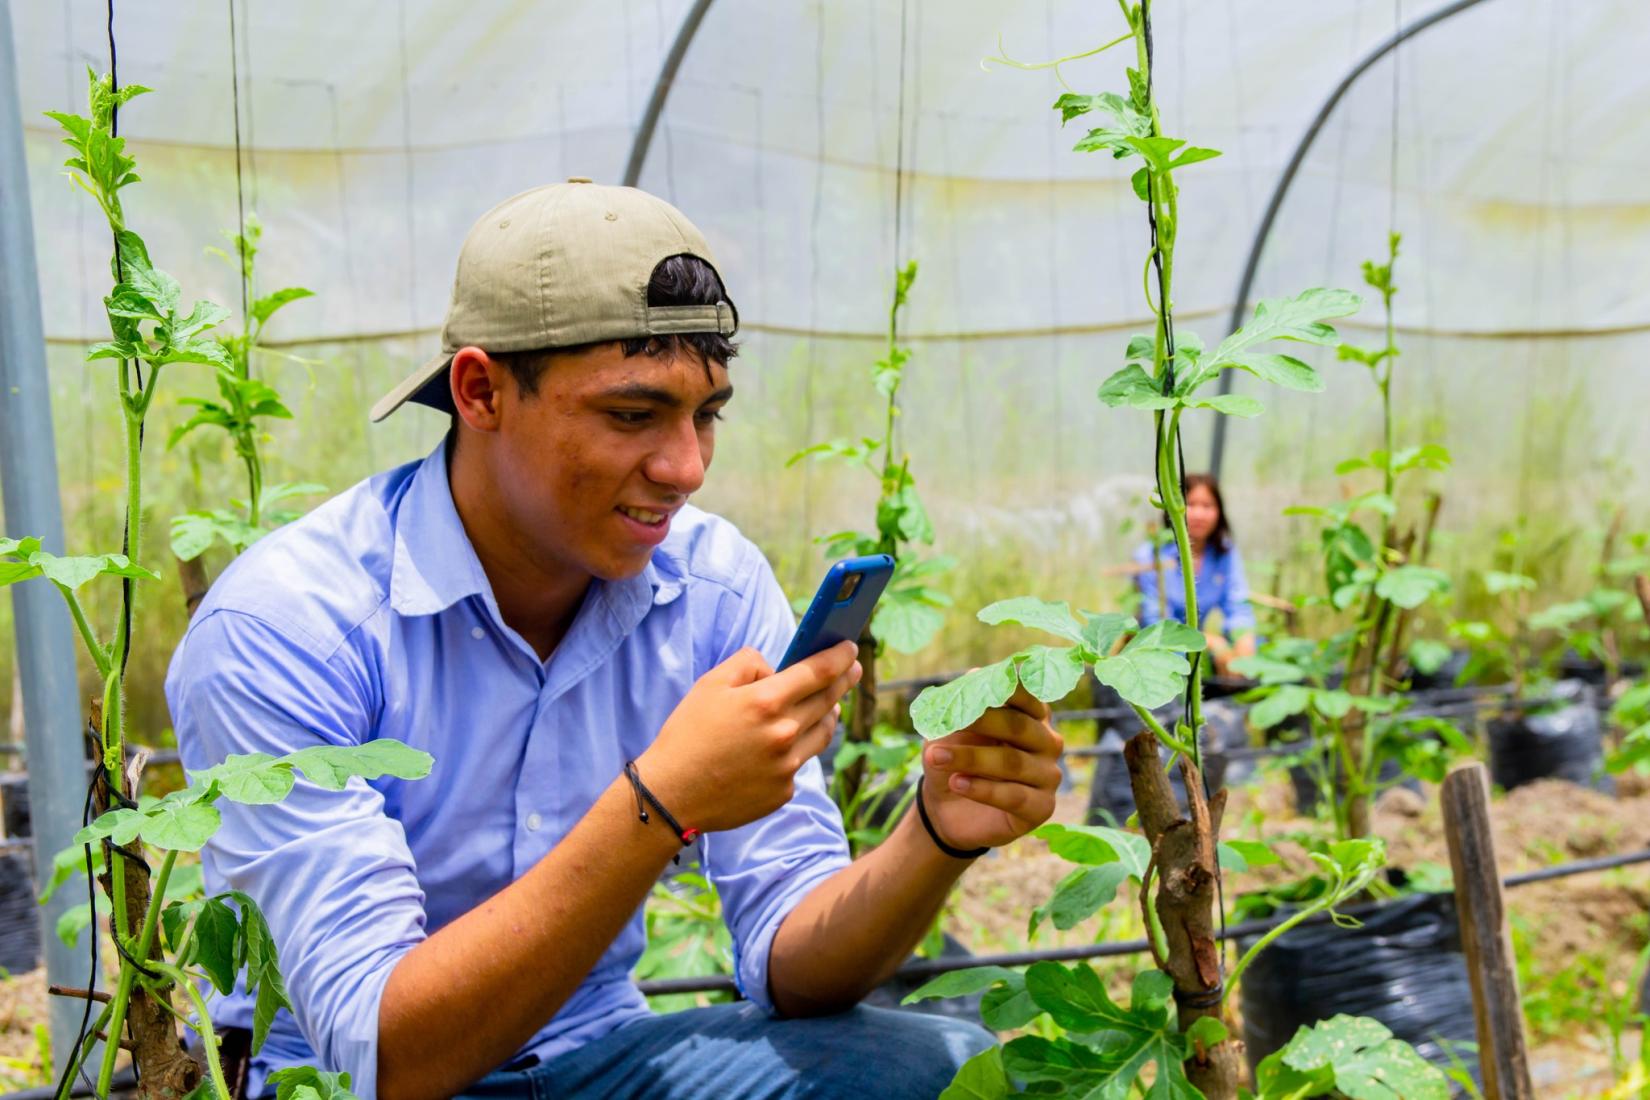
point(737, 1052)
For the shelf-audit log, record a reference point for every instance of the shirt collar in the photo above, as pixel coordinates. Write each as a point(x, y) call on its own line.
point(436, 565)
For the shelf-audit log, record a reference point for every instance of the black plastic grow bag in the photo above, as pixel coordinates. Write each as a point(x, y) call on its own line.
point(1561, 740)
point(1403, 967)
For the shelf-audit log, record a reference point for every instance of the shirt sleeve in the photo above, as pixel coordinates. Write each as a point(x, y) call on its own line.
point(762, 870)
point(330, 870)
point(1146, 581)
point(1238, 612)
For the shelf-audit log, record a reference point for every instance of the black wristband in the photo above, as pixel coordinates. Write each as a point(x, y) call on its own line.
point(954, 853)
point(646, 798)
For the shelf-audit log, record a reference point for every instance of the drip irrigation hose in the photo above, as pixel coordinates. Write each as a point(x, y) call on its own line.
point(928, 968)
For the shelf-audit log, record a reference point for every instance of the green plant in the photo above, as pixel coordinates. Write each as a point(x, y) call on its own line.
point(243, 401)
point(1631, 713)
point(911, 610)
point(1380, 577)
point(686, 937)
point(166, 944)
point(1173, 1020)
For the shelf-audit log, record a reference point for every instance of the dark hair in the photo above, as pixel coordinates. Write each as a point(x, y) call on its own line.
point(1221, 537)
point(683, 280)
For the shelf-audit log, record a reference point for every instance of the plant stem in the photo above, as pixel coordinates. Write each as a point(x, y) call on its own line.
point(100, 660)
point(202, 1024)
point(84, 1053)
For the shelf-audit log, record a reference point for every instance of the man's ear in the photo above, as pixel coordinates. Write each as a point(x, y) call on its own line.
point(477, 381)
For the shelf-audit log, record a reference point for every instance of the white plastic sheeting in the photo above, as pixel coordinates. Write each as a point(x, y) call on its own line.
point(375, 131)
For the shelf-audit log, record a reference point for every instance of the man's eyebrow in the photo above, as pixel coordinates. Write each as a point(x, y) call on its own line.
point(637, 391)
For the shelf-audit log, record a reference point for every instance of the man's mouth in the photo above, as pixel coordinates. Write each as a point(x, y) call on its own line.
point(644, 516)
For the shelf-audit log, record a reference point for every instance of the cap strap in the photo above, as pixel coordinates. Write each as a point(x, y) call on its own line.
point(720, 318)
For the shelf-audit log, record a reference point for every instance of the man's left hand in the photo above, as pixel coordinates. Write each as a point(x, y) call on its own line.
point(995, 781)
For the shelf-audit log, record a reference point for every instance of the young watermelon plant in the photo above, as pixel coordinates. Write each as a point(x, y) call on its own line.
point(910, 611)
point(1380, 579)
point(167, 946)
point(1173, 1021)
point(243, 401)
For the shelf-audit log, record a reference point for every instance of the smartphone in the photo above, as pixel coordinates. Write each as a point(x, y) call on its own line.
point(841, 607)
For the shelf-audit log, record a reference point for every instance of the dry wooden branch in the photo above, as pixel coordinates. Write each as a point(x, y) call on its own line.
point(79, 994)
point(1184, 847)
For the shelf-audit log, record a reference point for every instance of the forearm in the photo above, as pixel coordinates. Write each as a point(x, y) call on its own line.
point(463, 1001)
point(855, 928)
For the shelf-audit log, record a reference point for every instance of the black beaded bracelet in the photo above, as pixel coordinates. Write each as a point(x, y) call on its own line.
point(954, 853)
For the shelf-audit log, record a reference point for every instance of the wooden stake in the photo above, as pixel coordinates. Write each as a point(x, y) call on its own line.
point(1486, 938)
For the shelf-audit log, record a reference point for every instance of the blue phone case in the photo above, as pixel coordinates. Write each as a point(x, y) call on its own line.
point(841, 607)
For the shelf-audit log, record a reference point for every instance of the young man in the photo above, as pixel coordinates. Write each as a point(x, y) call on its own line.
point(537, 606)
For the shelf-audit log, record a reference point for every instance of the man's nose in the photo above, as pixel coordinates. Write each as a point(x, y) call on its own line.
point(680, 463)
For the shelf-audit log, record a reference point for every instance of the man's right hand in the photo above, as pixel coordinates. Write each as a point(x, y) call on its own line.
point(730, 751)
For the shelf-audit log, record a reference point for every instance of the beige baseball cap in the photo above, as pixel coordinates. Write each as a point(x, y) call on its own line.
point(558, 266)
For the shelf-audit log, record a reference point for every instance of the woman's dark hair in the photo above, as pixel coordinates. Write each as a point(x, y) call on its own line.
point(1221, 537)
point(678, 281)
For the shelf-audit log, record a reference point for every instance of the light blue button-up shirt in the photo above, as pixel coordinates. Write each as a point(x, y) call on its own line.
point(372, 617)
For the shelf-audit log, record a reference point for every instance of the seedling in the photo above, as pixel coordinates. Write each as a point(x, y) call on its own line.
point(911, 610)
point(243, 402)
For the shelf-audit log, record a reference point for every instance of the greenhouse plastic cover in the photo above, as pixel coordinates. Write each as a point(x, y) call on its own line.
point(376, 131)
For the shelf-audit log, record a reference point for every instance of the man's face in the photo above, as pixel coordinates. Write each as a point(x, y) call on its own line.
point(592, 467)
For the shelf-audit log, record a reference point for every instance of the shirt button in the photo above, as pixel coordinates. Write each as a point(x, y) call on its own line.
point(533, 822)
point(477, 633)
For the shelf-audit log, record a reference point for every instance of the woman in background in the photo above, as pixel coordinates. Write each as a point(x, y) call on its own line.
point(1221, 586)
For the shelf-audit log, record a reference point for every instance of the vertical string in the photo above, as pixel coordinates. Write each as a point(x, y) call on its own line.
point(241, 243)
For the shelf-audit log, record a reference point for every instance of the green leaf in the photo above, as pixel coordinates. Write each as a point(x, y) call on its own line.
point(1100, 632)
point(1193, 155)
point(192, 535)
point(1126, 1040)
point(263, 973)
point(980, 1078)
point(203, 316)
point(1240, 855)
point(1367, 1062)
point(1634, 752)
point(1300, 318)
point(1232, 404)
point(183, 823)
point(957, 705)
point(73, 572)
point(72, 923)
point(1409, 586)
point(1008, 1006)
point(1097, 845)
point(1055, 618)
point(253, 779)
point(138, 273)
point(1152, 669)
point(1051, 672)
point(1427, 656)
point(305, 1083)
point(960, 983)
point(1561, 616)
point(265, 307)
point(1287, 701)
point(1079, 896)
point(68, 863)
point(838, 448)
point(905, 625)
point(332, 766)
point(1133, 388)
point(1268, 670)
point(216, 944)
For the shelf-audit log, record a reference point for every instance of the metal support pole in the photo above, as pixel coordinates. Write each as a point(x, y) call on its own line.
point(661, 91)
point(1240, 304)
point(28, 478)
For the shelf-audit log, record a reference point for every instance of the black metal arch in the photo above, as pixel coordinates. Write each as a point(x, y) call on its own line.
point(1240, 305)
point(661, 91)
